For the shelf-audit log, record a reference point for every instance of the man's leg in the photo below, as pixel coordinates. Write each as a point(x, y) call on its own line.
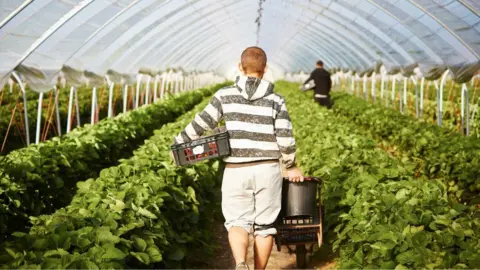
point(238, 239)
point(238, 209)
point(262, 250)
point(268, 200)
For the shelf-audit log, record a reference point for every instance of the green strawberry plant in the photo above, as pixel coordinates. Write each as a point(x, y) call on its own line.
point(379, 213)
point(143, 213)
point(44, 176)
point(442, 154)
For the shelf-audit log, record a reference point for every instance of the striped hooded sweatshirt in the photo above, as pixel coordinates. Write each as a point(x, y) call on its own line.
point(256, 119)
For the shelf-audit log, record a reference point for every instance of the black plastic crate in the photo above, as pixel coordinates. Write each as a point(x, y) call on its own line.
point(208, 147)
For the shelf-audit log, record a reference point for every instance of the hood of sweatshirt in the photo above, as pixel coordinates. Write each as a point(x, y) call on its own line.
point(252, 88)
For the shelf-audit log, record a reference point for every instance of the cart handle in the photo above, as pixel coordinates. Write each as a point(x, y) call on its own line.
point(306, 178)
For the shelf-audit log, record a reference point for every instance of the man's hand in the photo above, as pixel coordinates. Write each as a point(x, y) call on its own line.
point(295, 174)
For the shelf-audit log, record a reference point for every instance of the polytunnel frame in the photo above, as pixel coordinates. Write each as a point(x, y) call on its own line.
point(423, 45)
point(343, 27)
point(134, 31)
point(356, 19)
point(327, 7)
point(145, 26)
point(394, 24)
point(349, 49)
point(154, 50)
point(346, 40)
point(326, 45)
point(117, 20)
point(453, 33)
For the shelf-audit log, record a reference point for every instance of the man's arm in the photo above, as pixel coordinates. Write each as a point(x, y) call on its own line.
point(329, 82)
point(206, 120)
point(286, 142)
point(309, 78)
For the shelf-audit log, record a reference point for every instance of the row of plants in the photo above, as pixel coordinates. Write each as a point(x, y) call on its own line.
point(41, 178)
point(143, 213)
point(440, 153)
point(451, 116)
point(451, 91)
point(16, 135)
point(379, 213)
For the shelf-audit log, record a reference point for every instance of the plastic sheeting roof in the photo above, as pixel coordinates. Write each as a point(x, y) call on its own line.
point(126, 35)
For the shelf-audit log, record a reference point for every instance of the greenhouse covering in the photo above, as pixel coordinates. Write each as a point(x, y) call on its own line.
point(208, 35)
point(114, 115)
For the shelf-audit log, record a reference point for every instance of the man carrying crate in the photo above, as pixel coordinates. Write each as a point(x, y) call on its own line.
point(260, 134)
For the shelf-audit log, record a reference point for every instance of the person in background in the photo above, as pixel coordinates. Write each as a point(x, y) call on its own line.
point(323, 85)
point(260, 134)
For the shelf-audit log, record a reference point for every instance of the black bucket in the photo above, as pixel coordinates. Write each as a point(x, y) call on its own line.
point(299, 198)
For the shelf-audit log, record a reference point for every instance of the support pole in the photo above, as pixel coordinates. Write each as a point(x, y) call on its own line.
point(440, 97)
point(70, 105)
point(22, 87)
point(374, 90)
point(416, 95)
point(137, 93)
point(365, 96)
point(125, 98)
point(465, 111)
point(57, 111)
point(94, 107)
point(422, 89)
point(155, 89)
point(147, 94)
point(403, 107)
point(110, 100)
point(77, 109)
point(39, 117)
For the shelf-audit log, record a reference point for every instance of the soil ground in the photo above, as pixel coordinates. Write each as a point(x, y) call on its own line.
point(222, 258)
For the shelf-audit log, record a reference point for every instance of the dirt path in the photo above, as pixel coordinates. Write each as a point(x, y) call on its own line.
point(223, 259)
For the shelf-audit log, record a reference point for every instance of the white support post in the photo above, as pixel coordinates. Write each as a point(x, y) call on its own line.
point(374, 81)
point(352, 86)
point(147, 94)
point(77, 107)
point(440, 97)
point(465, 111)
point(110, 99)
point(162, 86)
point(382, 86)
point(94, 107)
point(176, 91)
point(39, 117)
point(365, 87)
point(137, 93)
point(70, 105)
point(125, 98)
point(414, 80)
point(155, 89)
point(57, 111)
point(394, 82)
point(25, 111)
point(404, 107)
point(422, 89)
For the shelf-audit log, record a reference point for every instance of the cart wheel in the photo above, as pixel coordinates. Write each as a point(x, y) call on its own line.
point(301, 256)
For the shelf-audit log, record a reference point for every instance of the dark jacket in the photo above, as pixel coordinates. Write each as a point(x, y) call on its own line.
point(323, 83)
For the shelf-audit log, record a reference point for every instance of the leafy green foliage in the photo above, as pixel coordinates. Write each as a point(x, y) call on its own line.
point(378, 212)
point(41, 178)
point(145, 212)
point(446, 155)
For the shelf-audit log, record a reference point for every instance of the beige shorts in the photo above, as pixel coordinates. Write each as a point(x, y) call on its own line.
point(252, 196)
